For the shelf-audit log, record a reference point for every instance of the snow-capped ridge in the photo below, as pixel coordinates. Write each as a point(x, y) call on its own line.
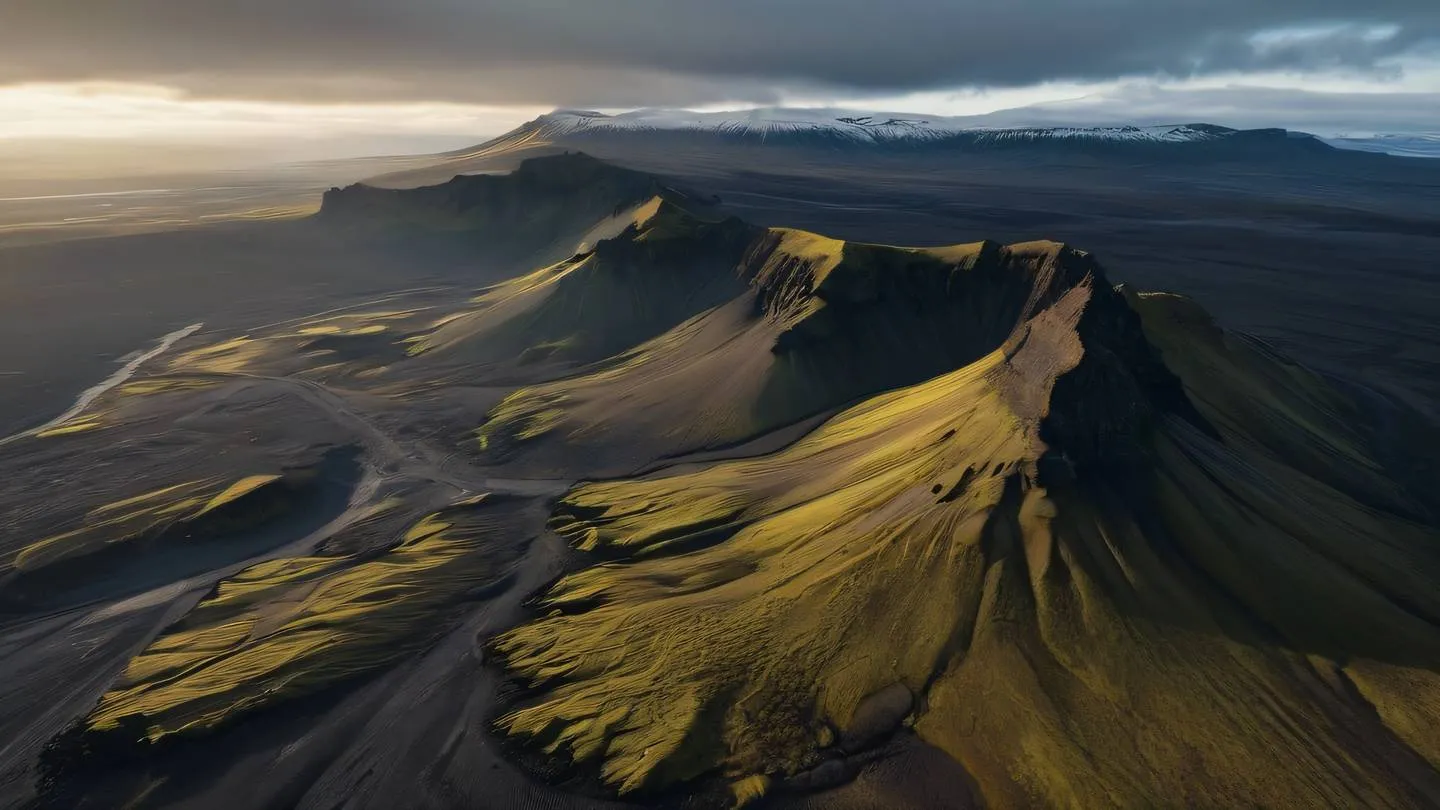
point(857, 127)
point(1424, 145)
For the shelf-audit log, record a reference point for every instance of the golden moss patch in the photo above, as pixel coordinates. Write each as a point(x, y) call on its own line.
point(749, 790)
point(165, 385)
point(519, 419)
point(226, 357)
point(291, 627)
point(238, 490)
point(81, 425)
point(143, 516)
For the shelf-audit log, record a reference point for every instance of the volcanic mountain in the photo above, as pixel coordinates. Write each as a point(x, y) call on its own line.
point(814, 323)
point(1097, 550)
point(628, 136)
point(1093, 571)
point(974, 511)
point(1090, 545)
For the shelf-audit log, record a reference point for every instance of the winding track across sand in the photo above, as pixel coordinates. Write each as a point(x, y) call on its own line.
point(391, 459)
point(94, 392)
point(124, 626)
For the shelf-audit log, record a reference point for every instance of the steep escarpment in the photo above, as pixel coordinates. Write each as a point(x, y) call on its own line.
point(1075, 564)
point(648, 269)
point(537, 213)
point(818, 324)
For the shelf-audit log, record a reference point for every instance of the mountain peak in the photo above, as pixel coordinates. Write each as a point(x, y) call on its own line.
point(816, 322)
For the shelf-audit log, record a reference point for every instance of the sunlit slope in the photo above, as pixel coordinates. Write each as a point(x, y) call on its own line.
point(647, 270)
point(1085, 589)
point(635, 273)
point(821, 323)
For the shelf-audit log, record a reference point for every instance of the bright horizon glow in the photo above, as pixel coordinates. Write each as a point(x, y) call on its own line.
point(126, 112)
point(101, 111)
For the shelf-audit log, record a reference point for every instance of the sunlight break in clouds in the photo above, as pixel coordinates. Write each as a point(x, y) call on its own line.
point(111, 111)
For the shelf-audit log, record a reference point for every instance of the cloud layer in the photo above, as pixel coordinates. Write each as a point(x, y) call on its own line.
point(619, 53)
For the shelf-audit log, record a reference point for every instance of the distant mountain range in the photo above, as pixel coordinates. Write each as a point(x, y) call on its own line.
point(1422, 146)
point(850, 125)
point(642, 137)
point(837, 127)
point(881, 128)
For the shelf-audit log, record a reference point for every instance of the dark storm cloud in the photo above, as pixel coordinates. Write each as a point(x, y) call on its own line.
point(627, 52)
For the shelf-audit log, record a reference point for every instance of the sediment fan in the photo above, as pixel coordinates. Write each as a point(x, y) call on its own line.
point(1116, 557)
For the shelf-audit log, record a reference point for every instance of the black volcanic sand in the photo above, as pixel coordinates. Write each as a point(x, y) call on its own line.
point(70, 311)
point(683, 549)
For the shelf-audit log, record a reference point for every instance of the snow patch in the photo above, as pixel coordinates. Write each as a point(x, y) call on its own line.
point(860, 127)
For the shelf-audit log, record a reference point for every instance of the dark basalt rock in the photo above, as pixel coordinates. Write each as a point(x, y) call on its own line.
point(1103, 410)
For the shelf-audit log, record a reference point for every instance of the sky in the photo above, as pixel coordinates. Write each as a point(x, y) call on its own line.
point(302, 79)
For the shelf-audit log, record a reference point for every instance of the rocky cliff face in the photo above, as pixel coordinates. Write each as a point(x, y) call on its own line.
point(533, 216)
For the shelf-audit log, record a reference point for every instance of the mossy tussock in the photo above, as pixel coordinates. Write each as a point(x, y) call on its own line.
point(1101, 569)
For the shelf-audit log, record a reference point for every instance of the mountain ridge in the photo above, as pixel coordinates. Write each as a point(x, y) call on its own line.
point(870, 128)
point(619, 136)
point(863, 127)
point(816, 323)
point(1019, 558)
